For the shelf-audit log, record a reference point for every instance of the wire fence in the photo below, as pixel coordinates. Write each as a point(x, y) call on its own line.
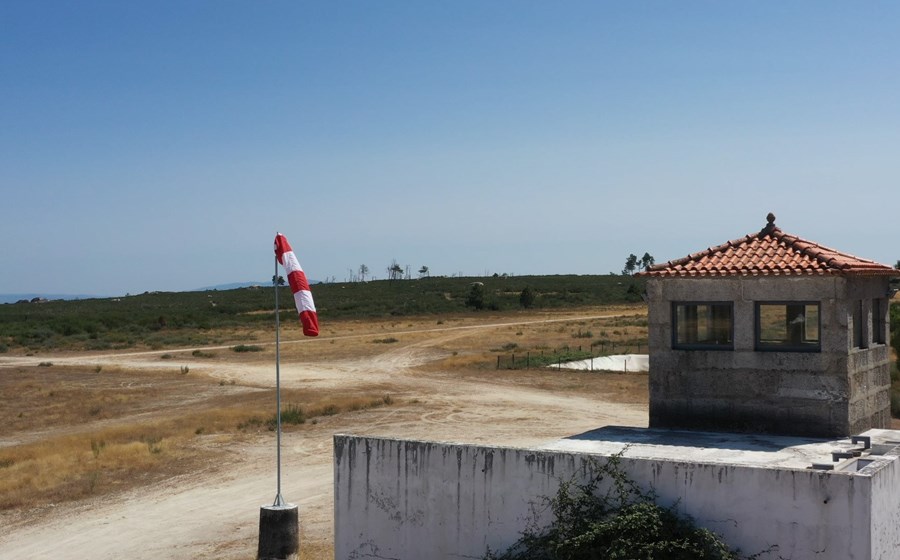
point(559, 356)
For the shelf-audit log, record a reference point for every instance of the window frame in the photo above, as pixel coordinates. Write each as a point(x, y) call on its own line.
point(761, 346)
point(879, 330)
point(858, 318)
point(702, 345)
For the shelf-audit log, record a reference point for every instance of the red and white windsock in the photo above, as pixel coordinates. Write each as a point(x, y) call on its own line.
point(299, 285)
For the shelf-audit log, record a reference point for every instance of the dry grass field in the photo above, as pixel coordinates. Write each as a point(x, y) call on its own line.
point(169, 453)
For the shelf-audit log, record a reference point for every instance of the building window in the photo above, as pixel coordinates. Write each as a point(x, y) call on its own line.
point(788, 327)
point(878, 321)
point(703, 326)
point(859, 335)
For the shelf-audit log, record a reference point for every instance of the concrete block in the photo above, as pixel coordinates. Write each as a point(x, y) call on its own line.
point(279, 533)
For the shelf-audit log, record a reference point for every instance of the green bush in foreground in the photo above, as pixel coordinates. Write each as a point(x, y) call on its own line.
point(611, 517)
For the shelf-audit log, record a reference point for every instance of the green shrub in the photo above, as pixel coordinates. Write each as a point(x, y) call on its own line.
point(247, 348)
point(610, 516)
point(527, 297)
point(895, 328)
point(293, 414)
point(475, 299)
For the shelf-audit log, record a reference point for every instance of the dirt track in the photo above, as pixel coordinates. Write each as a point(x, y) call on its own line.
point(214, 513)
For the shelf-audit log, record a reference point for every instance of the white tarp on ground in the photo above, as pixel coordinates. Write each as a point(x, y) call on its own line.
point(622, 362)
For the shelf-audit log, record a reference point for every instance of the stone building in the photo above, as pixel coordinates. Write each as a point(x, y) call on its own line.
point(770, 333)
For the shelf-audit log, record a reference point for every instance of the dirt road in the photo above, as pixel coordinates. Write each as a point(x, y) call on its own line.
point(213, 513)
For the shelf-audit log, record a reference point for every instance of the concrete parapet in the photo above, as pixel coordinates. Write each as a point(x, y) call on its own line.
point(414, 499)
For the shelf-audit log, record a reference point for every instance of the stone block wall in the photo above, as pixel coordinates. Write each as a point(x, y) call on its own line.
point(837, 391)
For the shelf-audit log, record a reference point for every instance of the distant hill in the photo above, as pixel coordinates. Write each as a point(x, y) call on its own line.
point(13, 298)
point(236, 285)
point(231, 286)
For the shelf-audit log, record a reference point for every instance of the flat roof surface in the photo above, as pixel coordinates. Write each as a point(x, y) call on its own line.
point(752, 450)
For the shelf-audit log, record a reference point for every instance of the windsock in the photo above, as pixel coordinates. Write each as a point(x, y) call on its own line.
point(299, 285)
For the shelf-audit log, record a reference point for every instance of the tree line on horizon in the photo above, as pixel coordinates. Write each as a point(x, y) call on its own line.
point(169, 319)
point(634, 264)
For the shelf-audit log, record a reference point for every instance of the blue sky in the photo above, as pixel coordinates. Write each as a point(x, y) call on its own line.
point(160, 145)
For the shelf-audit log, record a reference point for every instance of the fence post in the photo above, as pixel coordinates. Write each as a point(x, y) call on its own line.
point(527, 360)
point(513, 366)
point(498, 362)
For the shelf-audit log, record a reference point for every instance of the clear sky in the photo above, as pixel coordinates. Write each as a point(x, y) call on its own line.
point(160, 145)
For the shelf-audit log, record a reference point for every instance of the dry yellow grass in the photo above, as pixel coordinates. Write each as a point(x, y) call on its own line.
point(479, 349)
point(70, 467)
point(88, 455)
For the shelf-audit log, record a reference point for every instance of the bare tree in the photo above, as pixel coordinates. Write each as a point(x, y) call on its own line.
point(395, 271)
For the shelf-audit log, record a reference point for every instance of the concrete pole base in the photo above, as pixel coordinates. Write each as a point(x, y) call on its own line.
point(279, 533)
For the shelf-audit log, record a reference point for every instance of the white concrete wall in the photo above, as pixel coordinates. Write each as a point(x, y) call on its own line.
point(886, 506)
point(414, 500)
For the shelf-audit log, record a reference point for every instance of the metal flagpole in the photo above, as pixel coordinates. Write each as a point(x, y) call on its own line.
point(279, 524)
point(279, 501)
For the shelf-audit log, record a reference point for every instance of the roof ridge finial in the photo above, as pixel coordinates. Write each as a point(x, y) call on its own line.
point(770, 226)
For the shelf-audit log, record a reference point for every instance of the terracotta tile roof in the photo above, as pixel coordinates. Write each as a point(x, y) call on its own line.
point(770, 252)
